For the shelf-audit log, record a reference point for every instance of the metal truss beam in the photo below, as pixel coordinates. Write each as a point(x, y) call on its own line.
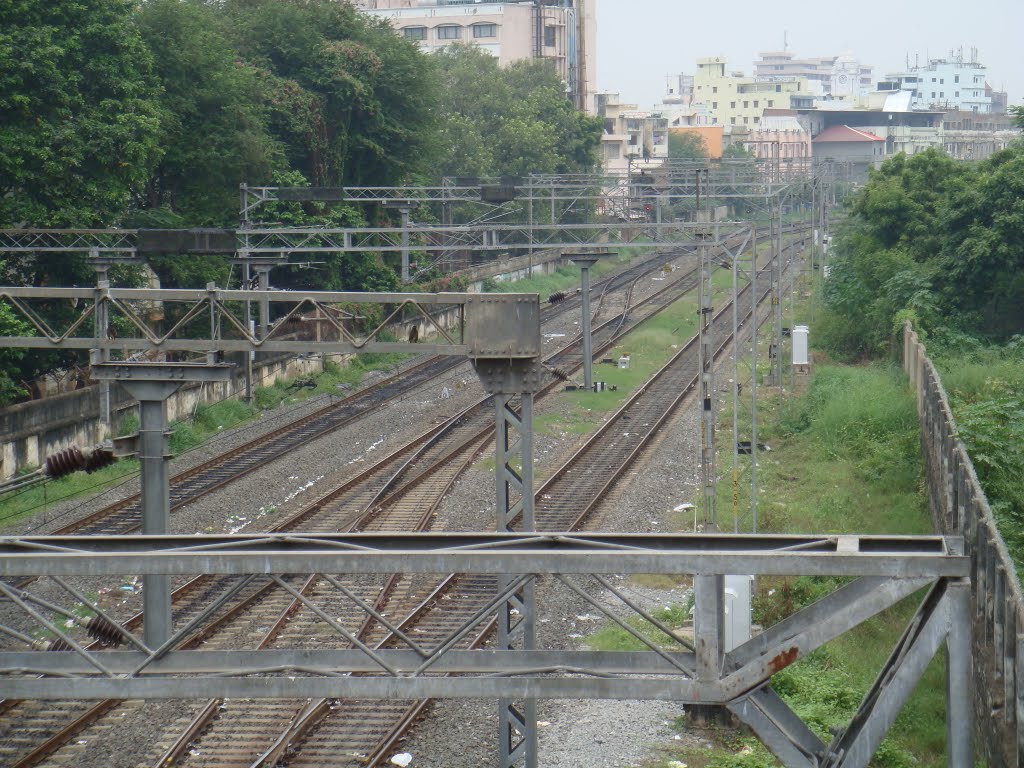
point(900, 557)
point(280, 242)
point(890, 569)
point(505, 326)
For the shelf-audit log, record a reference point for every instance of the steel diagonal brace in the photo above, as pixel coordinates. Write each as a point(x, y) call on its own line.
point(945, 606)
point(779, 729)
point(753, 663)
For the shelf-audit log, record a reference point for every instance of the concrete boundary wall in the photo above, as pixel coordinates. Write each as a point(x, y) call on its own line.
point(959, 507)
point(31, 431)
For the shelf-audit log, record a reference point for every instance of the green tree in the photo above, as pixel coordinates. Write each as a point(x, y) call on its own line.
point(79, 115)
point(684, 145)
point(10, 359)
point(1018, 114)
point(982, 256)
point(511, 121)
point(353, 99)
point(215, 117)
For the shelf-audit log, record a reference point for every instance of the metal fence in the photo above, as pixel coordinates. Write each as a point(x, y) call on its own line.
point(959, 506)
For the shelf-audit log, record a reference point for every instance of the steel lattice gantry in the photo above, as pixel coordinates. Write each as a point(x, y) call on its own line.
point(500, 333)
point(882, 571)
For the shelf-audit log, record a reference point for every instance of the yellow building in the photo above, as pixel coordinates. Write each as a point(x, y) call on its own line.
point(736, 100)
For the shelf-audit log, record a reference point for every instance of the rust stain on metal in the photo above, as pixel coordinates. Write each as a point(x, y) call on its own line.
point(783, 660)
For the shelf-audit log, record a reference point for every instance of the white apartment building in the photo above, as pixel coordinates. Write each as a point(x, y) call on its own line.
point(841, 76)
point(945, 84)
point(564, 32)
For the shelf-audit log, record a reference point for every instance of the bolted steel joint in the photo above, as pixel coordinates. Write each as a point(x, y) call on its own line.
point(502, 376)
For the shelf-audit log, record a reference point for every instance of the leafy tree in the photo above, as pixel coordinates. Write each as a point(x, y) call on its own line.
point(982, 258)
point(1018, 113)
point(353, 99)
point(10, 359)
point(215, 117)
point(685, 145)
point(79, 116)
point(509, 122)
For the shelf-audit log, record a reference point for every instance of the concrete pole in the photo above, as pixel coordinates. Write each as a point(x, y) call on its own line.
point(246, 278)
point(156, 505)
point(151, 384)
point(585, 262)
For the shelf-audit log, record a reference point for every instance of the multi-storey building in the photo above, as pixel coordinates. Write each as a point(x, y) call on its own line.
point(564, 32)
point(839, 76)
point(632, 139)
point(946, 84)
point(733, 99)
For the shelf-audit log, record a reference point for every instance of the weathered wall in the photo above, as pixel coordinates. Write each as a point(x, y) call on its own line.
point(959, 507)
point(30, 431)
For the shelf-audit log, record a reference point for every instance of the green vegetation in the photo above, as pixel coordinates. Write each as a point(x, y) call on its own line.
point(123, 114)
point(987, 397)
point(932, 240)
point(844, 459)
point(941, 243)
point(615, 638)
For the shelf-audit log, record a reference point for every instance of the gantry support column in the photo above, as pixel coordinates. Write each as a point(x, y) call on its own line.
point(585, 261)
point(509, 381)
point(102, 331)
point(151, 384)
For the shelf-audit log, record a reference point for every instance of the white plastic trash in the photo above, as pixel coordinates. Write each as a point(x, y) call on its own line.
point(402, 758)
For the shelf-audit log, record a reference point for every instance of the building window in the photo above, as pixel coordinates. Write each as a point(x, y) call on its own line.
point(714, 89)
point(612, 151)
point(415, 33)
point(732, 120)
point(942, 81)
point(746, 121)
point(778, 89)
point(771, 103)
point(958, 94)
point(485, 30)
point(549, 36)
point(757, 119)
point(933, 79)
point(933, 94)
point(714, 105)
point(956, 78)
point(732, 105)
point(756, 104)
point(746, 105)
point(449, 32)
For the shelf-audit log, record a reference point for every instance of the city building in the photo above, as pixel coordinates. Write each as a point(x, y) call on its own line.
point(632, 139)
point(841, 76)
point(562, 31)
point(678, 90)
point(780, 139)
point(976, 136)
point(945, 84)
point(733, 99)
point(858, 148)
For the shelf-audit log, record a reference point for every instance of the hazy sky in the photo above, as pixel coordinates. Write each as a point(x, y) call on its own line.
point(641, 41)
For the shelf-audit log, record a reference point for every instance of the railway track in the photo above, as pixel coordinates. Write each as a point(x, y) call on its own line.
point(124, 516)
point(400, 494)
point(335, 733)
